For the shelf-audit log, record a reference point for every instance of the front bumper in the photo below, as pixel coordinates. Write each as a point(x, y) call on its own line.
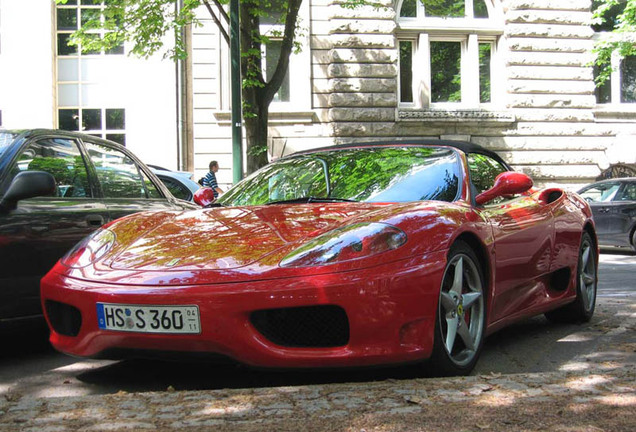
point(390, 310)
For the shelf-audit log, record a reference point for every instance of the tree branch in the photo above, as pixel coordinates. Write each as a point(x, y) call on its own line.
point(216, 19)
point(287, 44)
point(222, 11)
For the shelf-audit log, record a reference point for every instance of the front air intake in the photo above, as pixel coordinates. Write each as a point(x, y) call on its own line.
point(311, 326)
point(65, 319)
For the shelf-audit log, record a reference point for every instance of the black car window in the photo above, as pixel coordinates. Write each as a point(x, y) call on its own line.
point(602, 192)
point(629, 193)
point(118, 174)
point(483, 171)
point(176, 189)
point(151, 188)
point(62, 159)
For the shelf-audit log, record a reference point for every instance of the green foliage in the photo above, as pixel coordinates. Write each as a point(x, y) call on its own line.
point(256, 149)
point(444, 8)
point(617, 17)
point(484, 72)
point(483, 171)
point(145, 24)
point(361, 175)
point(248, 110)
point(406, 71)
point(446, 72)
point(118, 183)
point(69, 173)
point(354, 4)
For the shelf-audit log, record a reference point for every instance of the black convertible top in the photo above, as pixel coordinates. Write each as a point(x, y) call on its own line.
point(463, 146)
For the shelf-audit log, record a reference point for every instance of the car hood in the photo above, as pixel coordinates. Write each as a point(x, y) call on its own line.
point(222, 238)
point(238, 244)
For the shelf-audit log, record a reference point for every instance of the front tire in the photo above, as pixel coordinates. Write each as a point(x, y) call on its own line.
point(461, 314)
point(582, 309)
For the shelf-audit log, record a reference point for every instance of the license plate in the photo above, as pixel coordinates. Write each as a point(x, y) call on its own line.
point(149, 319)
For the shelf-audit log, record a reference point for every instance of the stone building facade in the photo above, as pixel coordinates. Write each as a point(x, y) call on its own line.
point(350, 83)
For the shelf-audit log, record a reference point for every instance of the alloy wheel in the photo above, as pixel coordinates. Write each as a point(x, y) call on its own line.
point(461, 310)
point(587, 275)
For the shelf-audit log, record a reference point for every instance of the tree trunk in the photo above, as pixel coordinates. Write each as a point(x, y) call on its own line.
point(256, 138)
point(258, 94)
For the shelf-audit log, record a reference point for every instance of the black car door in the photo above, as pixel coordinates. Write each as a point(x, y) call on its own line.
point(41, 230)
point(599, 196)
point(621, 215)
point(125, 185)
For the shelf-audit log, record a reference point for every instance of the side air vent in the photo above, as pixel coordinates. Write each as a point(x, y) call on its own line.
point(560, 279)
point(550, 195)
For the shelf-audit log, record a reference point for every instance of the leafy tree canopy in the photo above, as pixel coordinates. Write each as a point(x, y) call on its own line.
point(618, 19)
point(144, 25)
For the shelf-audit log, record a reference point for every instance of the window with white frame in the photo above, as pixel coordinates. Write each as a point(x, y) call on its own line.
point(79, 71)
point(272, 26)
point(448, 52)
point(621, 85)
point(270, 58)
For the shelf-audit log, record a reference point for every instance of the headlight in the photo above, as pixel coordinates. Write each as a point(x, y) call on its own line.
point(90, 249)
point(346, 244)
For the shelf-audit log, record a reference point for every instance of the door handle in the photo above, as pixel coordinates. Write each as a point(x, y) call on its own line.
point(95, 220)
point(604, 210)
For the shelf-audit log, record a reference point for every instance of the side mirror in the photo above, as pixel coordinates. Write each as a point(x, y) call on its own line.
point(506, 183)
point(27, 184)
point(204, 196)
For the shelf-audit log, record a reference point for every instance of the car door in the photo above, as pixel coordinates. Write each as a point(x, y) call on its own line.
point(41, 230)
point(621, 215)
point(600, 196)
point(125, 185)
point(177, 189)
point(523, 232)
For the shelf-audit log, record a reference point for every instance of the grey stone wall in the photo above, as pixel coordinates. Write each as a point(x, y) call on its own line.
point(546, 124)
point(362, 72)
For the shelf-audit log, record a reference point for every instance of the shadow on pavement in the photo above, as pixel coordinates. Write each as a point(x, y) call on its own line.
point(152, 375)
point(24, 340)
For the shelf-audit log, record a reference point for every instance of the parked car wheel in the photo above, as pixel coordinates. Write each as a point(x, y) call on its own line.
point(461, 314)
point(582, 309)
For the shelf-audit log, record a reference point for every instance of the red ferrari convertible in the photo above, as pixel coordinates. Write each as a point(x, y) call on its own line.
point(351, 255)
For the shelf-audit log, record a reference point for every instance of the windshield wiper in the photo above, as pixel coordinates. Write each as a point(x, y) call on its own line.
point(311, 199)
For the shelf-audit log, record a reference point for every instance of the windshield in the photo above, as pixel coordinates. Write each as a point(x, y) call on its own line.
point(374, 174)
point(6, 139)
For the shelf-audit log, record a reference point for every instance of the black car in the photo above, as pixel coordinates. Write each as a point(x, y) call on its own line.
point(55, 188)
point(613, 204)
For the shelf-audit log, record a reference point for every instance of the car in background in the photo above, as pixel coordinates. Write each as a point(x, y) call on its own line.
point(56, 188)
point(179, 183)
point(351, 255)
point(613, 204)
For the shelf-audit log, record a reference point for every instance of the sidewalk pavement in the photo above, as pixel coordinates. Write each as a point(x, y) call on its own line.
point(596, 395)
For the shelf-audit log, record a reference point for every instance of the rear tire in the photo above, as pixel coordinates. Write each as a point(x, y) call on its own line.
point(582, 308)
point(461, 314)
